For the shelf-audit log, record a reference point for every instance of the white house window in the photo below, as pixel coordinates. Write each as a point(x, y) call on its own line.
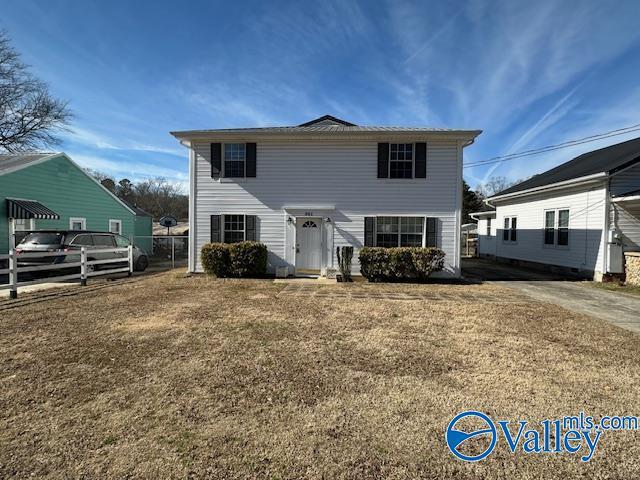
point(488, 227)
point(556, 227)
point(510, 232)
point(76, 223)
point(399, 231)
point(563, 227)
point(401, 160)
point(234, 228)
point(234, 159)
point(115, 226)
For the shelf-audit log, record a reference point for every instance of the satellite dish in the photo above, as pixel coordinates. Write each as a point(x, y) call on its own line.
point(168, 221)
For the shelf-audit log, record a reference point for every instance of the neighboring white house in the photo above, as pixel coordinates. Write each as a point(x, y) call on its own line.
point(303, 190)
point(581, 215)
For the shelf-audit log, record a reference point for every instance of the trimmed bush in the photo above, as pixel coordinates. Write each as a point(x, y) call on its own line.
point(379, 264)
point(215, 259)
point(248, 259)
point(243, 259)
point(426, 261)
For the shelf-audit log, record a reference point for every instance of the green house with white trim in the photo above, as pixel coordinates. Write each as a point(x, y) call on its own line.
point(49, 191)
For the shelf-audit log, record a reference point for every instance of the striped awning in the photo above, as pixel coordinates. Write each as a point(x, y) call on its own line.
point(17, 208)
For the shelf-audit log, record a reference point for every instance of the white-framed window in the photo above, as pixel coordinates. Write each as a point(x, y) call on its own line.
point(488, 226)
point(23, 224)
point(234, 228)
point(234, 159)
point(399, 231)
point(18, 228)
point(556, 227)
point(401, 160)
point(115, 226)
point(510, 231)
point(77, 223)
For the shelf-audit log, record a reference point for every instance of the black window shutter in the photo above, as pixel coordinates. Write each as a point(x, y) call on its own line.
point(369, 227)
point(421, 160)
point(250, 227)
point(383, 160)
point(432, 233)
point(250, 160)
point(216, 160)
point(216, 236)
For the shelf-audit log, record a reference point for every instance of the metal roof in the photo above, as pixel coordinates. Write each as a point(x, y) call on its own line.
point(10, 162)
point(605, 160)
point(326, 124)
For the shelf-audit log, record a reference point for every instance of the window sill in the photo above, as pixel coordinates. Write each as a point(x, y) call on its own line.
point(235, 180)
point(402, 180)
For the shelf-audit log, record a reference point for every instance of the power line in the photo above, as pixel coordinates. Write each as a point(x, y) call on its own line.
point(550, 148)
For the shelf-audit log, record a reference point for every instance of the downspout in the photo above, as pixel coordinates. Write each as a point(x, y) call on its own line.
point(605, 230)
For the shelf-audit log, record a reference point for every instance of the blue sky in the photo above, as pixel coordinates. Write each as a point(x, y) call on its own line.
point(529, 74)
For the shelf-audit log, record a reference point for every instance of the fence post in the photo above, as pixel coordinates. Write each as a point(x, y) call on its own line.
point(130, 257)
point(13, 274)
point(83, 266)
point(173, 252)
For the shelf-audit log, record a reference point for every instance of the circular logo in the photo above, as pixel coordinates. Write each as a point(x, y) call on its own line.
point(457, 438)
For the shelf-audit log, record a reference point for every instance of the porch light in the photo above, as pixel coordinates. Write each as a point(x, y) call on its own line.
point(289, 220)
point(327, 220)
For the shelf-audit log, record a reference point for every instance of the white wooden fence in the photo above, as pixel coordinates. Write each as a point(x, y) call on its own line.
point(87, 267)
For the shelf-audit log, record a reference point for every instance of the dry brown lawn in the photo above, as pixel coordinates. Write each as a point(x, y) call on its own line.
point(171, 377)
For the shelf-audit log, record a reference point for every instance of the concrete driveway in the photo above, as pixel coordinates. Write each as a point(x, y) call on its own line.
point(616, 308)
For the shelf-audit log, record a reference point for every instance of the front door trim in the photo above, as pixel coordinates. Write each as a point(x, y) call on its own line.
point(303, 269)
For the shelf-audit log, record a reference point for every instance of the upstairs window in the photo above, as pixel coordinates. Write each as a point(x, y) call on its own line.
point(234, 230)
point(510, 232)
point(556, 227)
point(401, 160)
point(234, 159)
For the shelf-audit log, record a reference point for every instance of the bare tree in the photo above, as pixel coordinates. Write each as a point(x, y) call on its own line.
point(30, 117)
point(160, 197)
point(495, 185)
point(157, 196)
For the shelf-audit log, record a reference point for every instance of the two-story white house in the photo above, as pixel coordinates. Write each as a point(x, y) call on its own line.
point(304, 190)
point(583, 215)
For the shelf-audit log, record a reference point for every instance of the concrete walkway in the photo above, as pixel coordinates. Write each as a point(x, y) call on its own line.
point(616, 308)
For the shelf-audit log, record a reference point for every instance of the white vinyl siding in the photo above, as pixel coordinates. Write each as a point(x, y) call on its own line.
point(339, 174)
point(487, 227)
point(587, 219)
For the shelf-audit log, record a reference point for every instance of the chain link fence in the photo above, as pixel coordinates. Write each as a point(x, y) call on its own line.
point(165, 252)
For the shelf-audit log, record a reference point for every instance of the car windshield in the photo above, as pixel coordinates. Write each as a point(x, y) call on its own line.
point(43, 238)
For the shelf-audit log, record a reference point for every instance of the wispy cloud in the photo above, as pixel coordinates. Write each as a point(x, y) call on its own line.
point(92, 139)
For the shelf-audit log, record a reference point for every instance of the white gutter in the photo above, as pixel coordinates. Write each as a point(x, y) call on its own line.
point(205, 136)
point(631, 198)
point(553, 186)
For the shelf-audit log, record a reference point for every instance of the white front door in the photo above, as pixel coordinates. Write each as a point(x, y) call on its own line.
point(308, 245)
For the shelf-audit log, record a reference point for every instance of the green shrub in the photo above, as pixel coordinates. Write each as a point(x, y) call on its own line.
point(404, 263)
point(215, 259)
point(248, 259)
point(374, 263)
point(427, 260)
point(244, 259)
